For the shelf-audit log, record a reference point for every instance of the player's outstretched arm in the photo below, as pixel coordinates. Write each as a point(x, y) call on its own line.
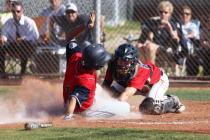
point(129, 91)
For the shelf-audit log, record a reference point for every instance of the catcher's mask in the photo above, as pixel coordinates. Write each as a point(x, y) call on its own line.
point(123, 66)
point(126, 57)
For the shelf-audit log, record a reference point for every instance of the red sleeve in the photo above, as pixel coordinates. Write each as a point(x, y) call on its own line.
point(144, 74)
point(155, 73)
point(140, 78)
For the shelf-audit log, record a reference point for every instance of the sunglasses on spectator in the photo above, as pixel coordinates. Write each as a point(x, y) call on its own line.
point(164, 12)
point(16, 11)
point(185, 13)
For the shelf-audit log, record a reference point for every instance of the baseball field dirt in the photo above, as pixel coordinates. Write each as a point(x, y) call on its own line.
point(44, 96)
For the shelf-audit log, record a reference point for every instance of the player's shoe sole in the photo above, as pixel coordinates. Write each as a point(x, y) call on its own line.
point(179, 106)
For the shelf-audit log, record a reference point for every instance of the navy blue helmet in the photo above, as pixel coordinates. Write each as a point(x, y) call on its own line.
point(95, 56)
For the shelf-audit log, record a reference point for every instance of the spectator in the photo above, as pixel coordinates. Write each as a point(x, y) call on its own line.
point(204, 53)
point(76, 26)
point(158, 33)
point(127, 76)
point(189, 41)
point(18, 37)
point(190, 30)
point(205, 32)
point(6, 14)
point(55, 9)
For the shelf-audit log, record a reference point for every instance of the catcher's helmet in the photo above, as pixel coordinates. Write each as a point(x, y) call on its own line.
point(126, 57)
point(127, 51)
point(95, 56)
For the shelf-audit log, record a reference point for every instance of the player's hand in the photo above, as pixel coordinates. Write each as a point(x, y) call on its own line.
point(3, 40)
point(167, 24)
point(21, 39)
point(92, 19)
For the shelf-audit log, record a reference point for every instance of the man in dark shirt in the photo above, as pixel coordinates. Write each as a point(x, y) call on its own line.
point(74, 25)
point(158, 33)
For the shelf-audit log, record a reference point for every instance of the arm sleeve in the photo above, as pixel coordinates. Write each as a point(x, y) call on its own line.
point(33, 33)
point(72, 48)
point(146, 29)
point(5, 29)
point(85, 19)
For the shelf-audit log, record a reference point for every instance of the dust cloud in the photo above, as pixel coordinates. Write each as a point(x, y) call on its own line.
point(38, 100)
point(122, 109)
point(35, 100)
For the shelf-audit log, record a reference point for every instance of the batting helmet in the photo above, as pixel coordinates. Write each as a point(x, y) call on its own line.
point(95, 56)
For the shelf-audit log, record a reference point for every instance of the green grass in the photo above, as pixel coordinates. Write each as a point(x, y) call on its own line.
point(129, 26)
point(183, 93)
point(7, 90)
point(116, 33)
point(108, 133)
point(191, 94)
point(96, 134)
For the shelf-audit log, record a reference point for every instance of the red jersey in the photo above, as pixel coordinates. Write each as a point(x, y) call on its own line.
point(146, 73)
point(75, 76)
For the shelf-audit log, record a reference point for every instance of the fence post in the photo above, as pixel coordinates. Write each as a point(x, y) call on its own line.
point(97, 30)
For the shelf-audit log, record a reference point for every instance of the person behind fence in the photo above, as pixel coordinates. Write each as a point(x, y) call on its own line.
point(18, 37)
point(76, 26)
point(158, 33)
point(189, 41)
point(127, 76)
point(56, 8)
point(79, 86)
point(205, 46)
point(190, 30)
point(6, 14)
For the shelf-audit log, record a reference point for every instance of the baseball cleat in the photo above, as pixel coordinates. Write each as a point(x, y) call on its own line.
point(68, 117)
point(180, 108)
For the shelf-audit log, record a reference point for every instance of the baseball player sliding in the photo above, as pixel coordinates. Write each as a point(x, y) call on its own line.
point(79, 87)
point(132, 77)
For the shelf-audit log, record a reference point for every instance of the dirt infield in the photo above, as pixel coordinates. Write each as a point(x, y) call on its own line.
point(196, 118)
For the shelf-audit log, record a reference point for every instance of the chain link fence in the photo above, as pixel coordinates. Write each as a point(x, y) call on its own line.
point(123, 19)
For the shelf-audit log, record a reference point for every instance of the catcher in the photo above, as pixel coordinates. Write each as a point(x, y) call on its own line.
point(132, 77)
point(79, 87)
